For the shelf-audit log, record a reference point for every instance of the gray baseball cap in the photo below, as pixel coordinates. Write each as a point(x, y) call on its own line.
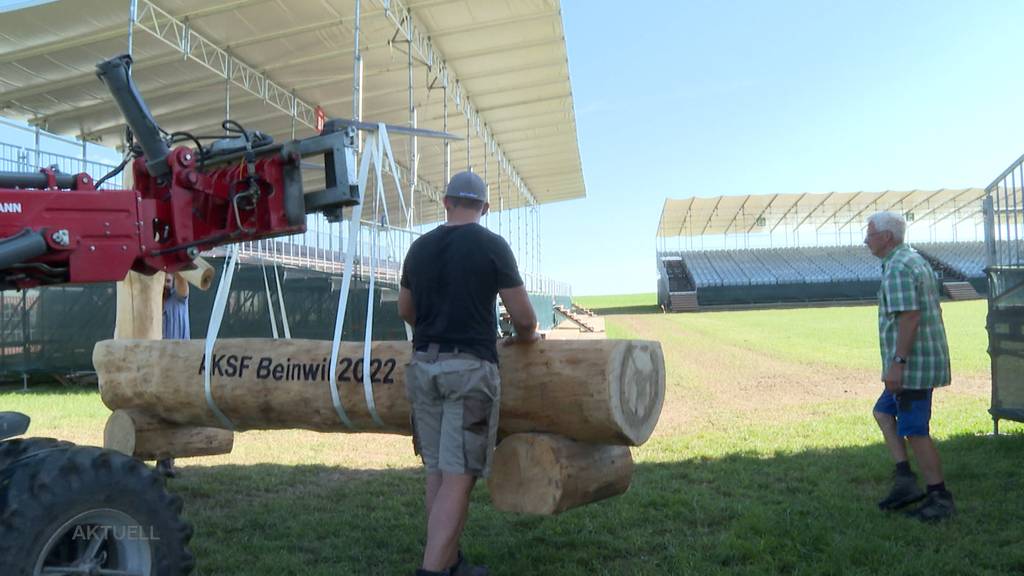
point(467, 185)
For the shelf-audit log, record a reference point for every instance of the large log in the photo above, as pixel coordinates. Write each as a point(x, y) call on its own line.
point(140, 307)
point(147, 438)
point(139, 313)
point(201, 276)
point(549, 474)
point(598, 391)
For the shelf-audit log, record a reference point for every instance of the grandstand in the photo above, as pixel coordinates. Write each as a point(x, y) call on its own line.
point(807, 248)
point(965, 258)
point(495, 75)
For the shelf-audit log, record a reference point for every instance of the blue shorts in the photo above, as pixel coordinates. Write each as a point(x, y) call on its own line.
point(912, 409)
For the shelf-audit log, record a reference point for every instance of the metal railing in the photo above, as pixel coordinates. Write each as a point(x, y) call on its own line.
point(20, 159)
point(1004, 249)
point(380, 251)
point(1004, 223)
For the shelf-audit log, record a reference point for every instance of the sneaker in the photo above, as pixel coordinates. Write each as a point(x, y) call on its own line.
point(905, 491)
point(464, 568)
point(938, 506)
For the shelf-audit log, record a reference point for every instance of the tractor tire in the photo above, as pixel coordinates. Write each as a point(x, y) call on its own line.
point(18, 448)
point(89, 511)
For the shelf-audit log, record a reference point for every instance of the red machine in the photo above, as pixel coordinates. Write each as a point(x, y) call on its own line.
point(58, 228)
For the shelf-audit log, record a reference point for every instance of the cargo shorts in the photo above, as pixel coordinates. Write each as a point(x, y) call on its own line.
point(455, 399)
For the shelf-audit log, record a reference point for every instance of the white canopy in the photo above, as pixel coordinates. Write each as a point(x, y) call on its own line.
point(756, 213)
point(503, 61)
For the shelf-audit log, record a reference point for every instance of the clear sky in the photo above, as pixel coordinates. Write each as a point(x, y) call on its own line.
point(682, 98)
point(704, 98)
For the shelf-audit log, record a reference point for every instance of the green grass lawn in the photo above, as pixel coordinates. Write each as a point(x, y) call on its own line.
point(620, 304)
point(782, 488)
point(845, 337)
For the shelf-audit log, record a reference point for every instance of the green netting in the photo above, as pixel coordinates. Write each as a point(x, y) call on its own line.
point(564, 301)
point(801, 292)
point(53, 330)
point(543, 306)
point(1006, 346)
point(311, 303)
point(1005, 326)
point(1006, 287)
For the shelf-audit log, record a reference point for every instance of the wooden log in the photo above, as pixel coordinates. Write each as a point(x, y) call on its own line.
point(549, 474)
point(598, 391)
point(149, 438)
point(201, 276)
point(139, 313)
point(140, 307)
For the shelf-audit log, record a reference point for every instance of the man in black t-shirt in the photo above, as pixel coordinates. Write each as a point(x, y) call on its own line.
point(450, 281)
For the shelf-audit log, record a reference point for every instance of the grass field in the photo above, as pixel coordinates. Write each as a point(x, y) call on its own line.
point(621, 303)
point(765, 461)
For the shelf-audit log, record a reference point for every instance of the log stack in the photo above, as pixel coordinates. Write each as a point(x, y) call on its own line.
point(569, 408)
point(548, 474)
point(149, 438)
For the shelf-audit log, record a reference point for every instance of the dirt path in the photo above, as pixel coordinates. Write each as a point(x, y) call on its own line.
point(712, 384)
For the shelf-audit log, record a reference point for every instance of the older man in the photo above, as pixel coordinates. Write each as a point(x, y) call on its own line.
point(915, 360)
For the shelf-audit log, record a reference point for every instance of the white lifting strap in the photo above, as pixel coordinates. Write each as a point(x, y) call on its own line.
point(346, 284)
point(339, 320)
point(371, 405)
point(219, 304)
point(280, 301)
point(270, 299)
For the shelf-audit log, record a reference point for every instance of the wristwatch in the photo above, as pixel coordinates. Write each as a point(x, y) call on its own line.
point(899, 359)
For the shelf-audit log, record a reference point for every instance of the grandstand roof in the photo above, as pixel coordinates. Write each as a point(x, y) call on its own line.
point(754, 213)
point(505, 62)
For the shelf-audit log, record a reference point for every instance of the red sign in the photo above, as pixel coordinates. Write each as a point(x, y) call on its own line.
point(320, 119)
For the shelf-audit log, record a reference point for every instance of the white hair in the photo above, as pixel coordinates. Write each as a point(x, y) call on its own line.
point(889, 222)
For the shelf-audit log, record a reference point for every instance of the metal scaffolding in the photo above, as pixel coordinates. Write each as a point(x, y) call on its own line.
point(192, 77)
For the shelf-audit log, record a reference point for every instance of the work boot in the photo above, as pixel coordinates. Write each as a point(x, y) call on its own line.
point(166, 468)
point(464, 568)
point(937, 506)
point(905, 491)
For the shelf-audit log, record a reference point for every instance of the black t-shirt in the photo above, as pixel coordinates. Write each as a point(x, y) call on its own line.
point(454, 273)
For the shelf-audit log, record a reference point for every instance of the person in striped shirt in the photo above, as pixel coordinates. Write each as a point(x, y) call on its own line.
point(915, 361)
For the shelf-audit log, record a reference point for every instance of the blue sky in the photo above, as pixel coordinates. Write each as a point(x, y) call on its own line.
point(675, 99)
point(704, 98)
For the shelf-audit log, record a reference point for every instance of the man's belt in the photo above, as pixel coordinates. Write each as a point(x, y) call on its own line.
point(436, 348)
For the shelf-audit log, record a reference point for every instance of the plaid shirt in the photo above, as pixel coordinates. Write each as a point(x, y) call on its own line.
point(908, 283)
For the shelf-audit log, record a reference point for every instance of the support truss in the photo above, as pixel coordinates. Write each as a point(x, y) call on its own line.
point(425, 51)
point(192, 45)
